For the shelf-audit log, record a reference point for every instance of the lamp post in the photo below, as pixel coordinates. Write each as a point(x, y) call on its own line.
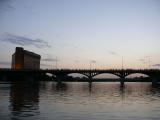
point(90, 65)
point(56, 63)
point(122, 63)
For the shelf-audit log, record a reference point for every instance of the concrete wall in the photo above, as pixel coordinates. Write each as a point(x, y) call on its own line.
point(31, 62)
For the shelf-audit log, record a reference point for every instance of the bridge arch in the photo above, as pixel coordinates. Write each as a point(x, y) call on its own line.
point(116, 76)
point(49, 74)
point(77, 74)
point(137, 75)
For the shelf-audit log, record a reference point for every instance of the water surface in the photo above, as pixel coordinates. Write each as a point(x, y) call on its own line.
point(77, 101)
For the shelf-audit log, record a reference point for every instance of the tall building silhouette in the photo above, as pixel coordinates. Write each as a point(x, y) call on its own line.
point(23, 59)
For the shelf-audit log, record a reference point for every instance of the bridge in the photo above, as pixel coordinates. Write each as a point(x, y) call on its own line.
point(62, 73)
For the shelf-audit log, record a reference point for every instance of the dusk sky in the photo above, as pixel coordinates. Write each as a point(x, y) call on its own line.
point(80, 32)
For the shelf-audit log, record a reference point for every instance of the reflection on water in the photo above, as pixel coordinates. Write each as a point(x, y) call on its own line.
point(70, 101)
point(24, 100)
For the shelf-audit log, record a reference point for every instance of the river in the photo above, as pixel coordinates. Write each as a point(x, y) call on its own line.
point(79, 101)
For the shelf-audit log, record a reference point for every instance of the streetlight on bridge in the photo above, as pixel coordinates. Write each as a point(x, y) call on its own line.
point(122, 63)
point(90, 64)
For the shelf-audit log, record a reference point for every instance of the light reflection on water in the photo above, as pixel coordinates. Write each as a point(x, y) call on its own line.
point(77, 101)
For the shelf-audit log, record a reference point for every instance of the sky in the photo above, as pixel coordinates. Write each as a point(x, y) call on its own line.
point(82, 34)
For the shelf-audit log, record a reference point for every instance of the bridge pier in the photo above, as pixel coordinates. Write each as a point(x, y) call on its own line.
point(60, 77)
point(59, 80)
point(90, 78)
point(122, 81)
point(122, 78)
point(155, 81)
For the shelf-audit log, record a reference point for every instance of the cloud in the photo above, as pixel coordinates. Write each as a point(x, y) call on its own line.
point(5, 6)
point(112, 53)
point(24, 41)
point(45, 65)
point(156, 65)
point(50, 59)
point(5, 63)
point(93, 61)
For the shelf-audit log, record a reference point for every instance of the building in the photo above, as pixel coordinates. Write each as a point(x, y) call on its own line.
point(23, 59)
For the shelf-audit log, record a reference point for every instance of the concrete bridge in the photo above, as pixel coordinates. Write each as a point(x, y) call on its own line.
point(61, 73)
